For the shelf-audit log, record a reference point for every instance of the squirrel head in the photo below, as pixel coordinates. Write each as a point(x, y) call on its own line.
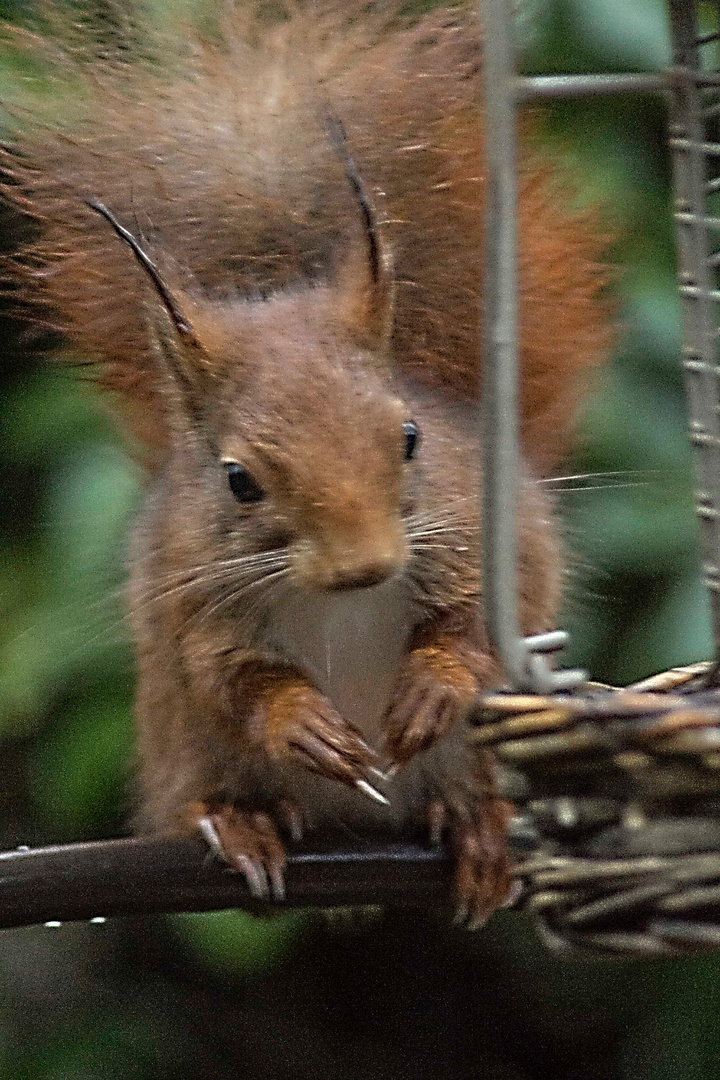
point(315, 447)
point(283, 410)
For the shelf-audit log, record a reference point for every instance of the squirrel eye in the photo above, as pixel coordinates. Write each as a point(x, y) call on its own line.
point(412, 434)
point(242, 485)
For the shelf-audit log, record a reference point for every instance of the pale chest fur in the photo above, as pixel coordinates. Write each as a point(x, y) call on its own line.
point(350, 645)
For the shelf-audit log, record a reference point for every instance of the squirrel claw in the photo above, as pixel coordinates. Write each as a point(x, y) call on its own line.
point(371, 792)
point(292, 819)
point(327, 745)
point(247, 842)
point(437, 818)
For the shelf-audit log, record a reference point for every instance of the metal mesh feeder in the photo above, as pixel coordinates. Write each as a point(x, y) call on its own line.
point(618, 790)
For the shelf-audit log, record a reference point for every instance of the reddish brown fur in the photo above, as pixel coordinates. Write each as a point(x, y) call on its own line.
point(251, 687)
point(268, 179)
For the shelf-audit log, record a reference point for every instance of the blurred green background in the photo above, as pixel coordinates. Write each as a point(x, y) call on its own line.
point(229, 996)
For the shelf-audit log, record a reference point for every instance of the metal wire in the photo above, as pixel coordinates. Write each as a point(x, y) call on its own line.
point(622, 788)
point(695, 109)
point(693, 85)
point(539, 87)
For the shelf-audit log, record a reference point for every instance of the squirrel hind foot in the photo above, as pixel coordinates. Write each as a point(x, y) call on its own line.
point(483, 868)
point(464, 813)
point(248, 842)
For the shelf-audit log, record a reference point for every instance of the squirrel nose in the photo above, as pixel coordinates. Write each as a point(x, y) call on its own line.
point(333, 567)
point(363, 577)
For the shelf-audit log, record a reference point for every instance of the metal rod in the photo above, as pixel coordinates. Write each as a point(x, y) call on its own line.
point(142, 876)
point(530, 88)
point(695, 151)
point(499, 366)
point(524, 665)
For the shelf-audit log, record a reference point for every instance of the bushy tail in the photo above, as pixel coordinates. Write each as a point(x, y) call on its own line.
point(213, 148)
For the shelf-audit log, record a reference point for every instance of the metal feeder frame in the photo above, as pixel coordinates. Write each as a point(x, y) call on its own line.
point(692, 85)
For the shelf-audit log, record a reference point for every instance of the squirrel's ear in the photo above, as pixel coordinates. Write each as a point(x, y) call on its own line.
point(367, 293)
point(366, 279)
point(182, 352)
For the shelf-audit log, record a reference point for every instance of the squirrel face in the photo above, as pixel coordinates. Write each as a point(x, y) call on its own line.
point(293, 396)
point(315, 454)
point(294, 393)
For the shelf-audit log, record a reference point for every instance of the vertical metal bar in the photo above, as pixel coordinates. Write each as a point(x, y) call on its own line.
point(693, 152)
point(499, 365)
point(525, 667)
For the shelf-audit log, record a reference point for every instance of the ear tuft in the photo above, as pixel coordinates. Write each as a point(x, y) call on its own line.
point(171, 302)
point(367, 282)
point(366, 302)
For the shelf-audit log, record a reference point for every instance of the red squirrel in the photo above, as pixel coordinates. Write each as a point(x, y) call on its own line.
point(270, 242)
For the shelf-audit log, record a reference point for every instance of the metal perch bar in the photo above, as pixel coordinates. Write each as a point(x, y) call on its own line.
point(616, 835)
point(168, 874)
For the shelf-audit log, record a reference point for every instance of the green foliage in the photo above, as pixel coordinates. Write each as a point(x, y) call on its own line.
point(68, 496)
point(221, 938)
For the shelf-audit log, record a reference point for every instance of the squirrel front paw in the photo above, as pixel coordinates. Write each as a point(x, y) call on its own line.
point(301, 725)
point(432, 695)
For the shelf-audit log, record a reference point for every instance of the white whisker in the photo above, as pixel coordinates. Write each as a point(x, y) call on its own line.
point(439, 547)
point(578, 481)
point(239, 562)
point(234, 572)
point(600, 487)
point(207, 611)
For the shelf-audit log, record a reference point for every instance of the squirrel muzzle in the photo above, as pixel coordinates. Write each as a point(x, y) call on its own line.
point(372, 553)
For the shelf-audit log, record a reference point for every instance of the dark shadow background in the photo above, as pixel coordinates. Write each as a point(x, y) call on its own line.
point(402, 995)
